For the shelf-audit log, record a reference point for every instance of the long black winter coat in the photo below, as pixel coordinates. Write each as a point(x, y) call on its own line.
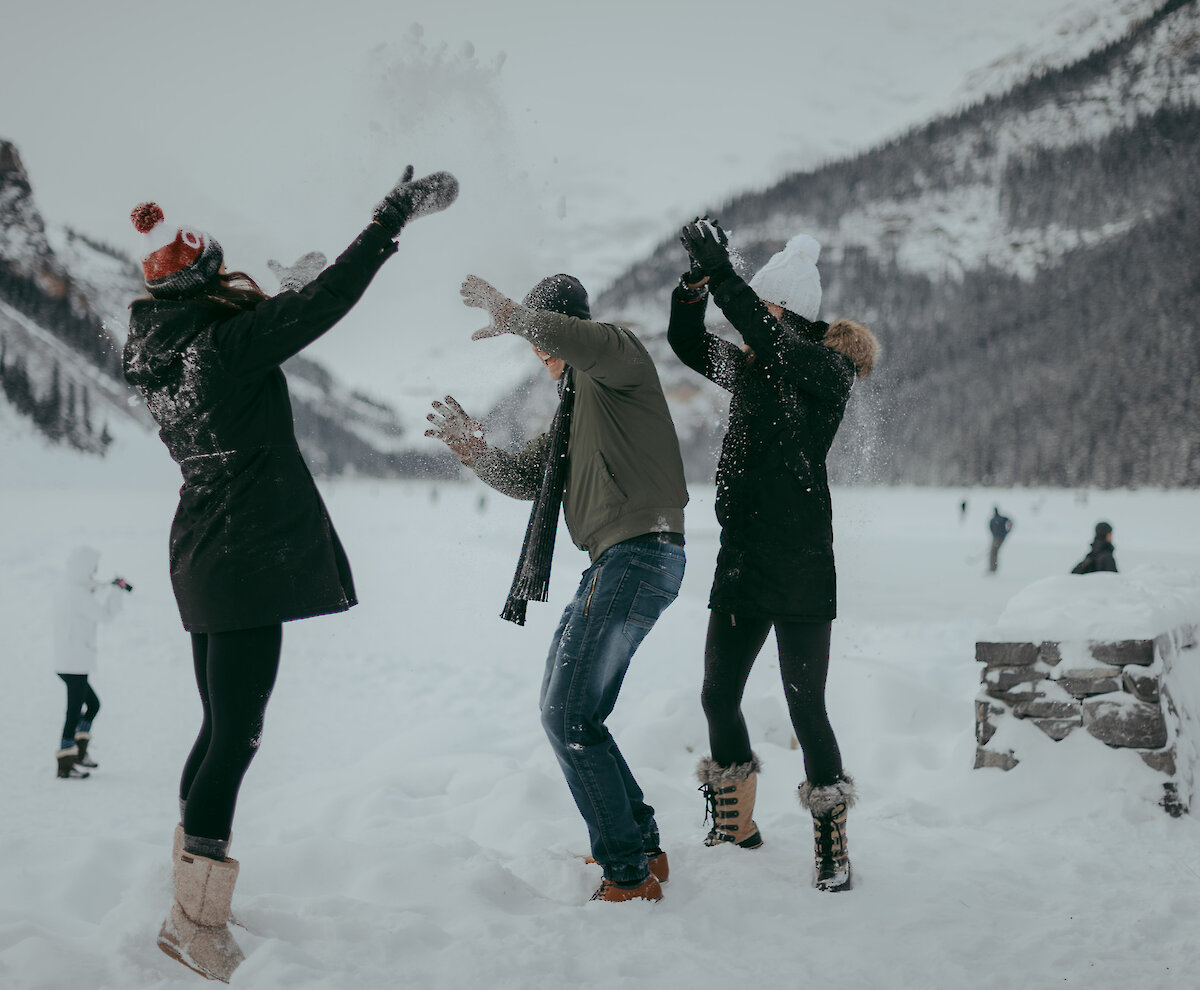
point(773, 504)
point(1099, 558)
point(251, 542)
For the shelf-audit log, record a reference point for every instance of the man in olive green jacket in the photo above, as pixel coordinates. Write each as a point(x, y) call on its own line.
point(623, 502)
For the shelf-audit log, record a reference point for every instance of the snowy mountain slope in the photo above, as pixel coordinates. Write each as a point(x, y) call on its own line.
point(931, 201)
point(1072, 187)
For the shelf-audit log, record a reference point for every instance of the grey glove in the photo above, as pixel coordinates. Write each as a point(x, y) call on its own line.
point(457, 430)
point(306, 268)
point(480, 294)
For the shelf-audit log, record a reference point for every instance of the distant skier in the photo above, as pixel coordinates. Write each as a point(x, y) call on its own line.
point(1100, 556)
point(1000, 527)
point(790, 383)
point(251, 545)
point(82, 603)
point(611, 461)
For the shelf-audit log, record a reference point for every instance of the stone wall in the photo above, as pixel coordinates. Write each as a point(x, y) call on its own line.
point(1130, 694)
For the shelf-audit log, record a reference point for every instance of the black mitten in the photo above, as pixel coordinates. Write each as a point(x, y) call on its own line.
point(415, 198)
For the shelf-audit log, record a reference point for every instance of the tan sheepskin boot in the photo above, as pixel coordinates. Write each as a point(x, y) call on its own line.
point(196, 932)
point(730, 793)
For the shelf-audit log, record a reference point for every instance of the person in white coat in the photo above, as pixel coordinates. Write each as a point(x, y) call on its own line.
point(82, 604)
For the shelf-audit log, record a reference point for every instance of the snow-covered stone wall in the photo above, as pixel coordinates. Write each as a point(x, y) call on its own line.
point(1112, 655)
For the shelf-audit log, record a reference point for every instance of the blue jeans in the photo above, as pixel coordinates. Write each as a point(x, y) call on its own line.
point(619, 599)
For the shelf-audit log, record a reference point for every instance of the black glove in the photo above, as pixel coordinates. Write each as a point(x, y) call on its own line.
point(121, 583)
point(410, 199)
point(705, 243)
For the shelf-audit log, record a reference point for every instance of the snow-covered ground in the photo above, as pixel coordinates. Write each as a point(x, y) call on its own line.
point(405, 824)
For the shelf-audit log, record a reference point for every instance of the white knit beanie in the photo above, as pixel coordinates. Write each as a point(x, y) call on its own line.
point(790, 278)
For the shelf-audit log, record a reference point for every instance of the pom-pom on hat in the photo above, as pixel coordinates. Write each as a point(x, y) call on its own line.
point(179, 261)
point(790, 278)
point(560, 294)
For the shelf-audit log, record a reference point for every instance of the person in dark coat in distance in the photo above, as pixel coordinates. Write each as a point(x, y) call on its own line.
point(251, 545)
point(775, 567)
point(1100, 556)
point(999, 526)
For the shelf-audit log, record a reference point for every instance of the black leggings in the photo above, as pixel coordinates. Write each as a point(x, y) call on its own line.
point(81, 703)
point(235, 672)
point(732, 646)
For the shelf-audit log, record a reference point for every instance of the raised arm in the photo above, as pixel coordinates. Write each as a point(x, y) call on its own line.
point(806, 364)
point(257, 340)
point(803, 362)
point(707, 354)
point(607, 353)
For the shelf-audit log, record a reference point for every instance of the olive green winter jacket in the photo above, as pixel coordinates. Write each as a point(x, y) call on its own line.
point(625, 477)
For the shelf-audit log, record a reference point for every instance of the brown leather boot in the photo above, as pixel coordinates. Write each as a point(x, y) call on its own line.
point(648, 890)
point(831, 852)
point(657, 861)
point(196, 932)
point(730, 793)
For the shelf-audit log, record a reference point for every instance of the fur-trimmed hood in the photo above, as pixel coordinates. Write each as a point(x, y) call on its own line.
point(856, 342)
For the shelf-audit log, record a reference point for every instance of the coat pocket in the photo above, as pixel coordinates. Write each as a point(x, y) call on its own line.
point(609, 480)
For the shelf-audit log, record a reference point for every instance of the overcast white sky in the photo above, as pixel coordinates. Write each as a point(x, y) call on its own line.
point(582, 133)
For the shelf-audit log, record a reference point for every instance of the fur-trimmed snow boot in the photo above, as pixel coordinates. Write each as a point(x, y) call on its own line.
point(81, 743)
point(67, 758)
point(730, 793)
point(196, 932)
point(831, 855)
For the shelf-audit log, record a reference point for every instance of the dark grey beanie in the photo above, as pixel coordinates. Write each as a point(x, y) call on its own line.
point(560, 294)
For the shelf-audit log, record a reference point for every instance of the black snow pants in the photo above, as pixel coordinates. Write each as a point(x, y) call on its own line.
point(731, 648)
point(81, 703)
point(235, 673)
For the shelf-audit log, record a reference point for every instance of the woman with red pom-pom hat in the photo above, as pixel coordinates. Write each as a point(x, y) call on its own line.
point(251, 545)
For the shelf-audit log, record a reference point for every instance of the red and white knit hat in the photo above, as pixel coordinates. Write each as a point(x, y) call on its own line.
point(178, 262)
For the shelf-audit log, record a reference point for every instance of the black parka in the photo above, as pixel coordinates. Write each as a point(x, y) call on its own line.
point(1099, 558)
point(773, 503)
point(251, 543)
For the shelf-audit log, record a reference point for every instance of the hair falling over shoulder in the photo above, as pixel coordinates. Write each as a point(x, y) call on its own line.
point(232, 291)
